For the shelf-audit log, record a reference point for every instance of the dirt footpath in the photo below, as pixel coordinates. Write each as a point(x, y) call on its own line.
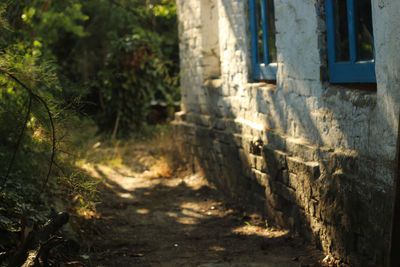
point(151, 219)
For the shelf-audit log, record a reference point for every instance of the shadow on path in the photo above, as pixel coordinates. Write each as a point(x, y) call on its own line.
point(180, 221)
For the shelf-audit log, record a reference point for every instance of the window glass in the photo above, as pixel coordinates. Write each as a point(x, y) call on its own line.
point(271, 31)
point(262, 28)
point(364, 27)
point(350, 41)
point(342, 48)
point(260, 41)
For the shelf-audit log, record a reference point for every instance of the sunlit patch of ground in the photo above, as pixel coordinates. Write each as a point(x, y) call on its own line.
point(153, 213)
point(260, 231)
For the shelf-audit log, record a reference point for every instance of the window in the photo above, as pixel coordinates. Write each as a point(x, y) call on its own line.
point(350, 41)
point(262, 27)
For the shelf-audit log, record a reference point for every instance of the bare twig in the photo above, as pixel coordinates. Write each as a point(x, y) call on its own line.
point(114, 133)
point(21, 134)
point(41, 100)
point(53, 150)
point(59, 167)
point(126, 8)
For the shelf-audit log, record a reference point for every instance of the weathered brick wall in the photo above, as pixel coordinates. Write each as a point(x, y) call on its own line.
point(323, 161)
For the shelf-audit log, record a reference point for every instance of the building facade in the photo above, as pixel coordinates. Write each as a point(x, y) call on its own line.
point(294, 105)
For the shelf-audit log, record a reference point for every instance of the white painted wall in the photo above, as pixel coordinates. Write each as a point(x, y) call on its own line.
point(303, 114)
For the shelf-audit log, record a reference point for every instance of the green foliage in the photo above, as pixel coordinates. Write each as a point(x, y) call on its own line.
point(31, 107)
point(128, 59)
point(108, 58)
point(116, 56)
point(3, 22)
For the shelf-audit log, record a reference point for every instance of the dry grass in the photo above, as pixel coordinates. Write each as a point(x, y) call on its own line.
point(135, 157)
point(157, 155)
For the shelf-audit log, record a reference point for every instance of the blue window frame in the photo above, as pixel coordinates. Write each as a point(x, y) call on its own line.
point(350, 41)
point(262, 27)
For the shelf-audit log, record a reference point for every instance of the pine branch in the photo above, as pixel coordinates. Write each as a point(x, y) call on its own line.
point(43, 102)
point(19, 140)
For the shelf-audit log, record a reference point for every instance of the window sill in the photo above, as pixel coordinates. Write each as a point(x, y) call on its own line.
point(263, 82)
point(366, 87)
point(267, 85)
point(358, 94)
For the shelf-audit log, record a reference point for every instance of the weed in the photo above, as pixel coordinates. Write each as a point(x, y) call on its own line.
point(115, 162)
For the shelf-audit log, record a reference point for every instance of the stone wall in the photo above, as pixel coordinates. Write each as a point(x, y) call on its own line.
point(316, 157)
